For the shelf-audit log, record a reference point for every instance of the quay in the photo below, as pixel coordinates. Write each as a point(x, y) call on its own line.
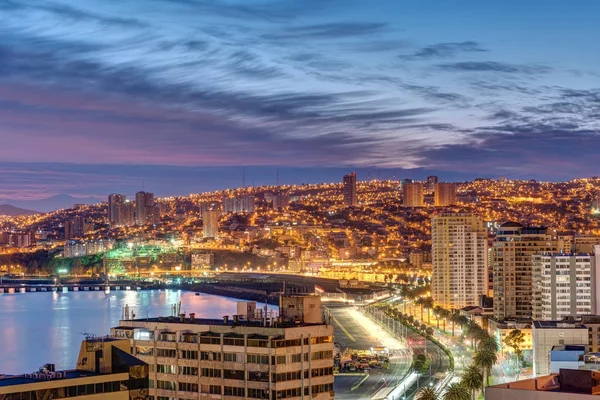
point(73, 287)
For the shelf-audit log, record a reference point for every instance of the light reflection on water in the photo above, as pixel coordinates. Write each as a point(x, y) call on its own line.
point(39, 328)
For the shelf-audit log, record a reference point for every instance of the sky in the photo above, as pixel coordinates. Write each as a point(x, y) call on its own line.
point(98, 96)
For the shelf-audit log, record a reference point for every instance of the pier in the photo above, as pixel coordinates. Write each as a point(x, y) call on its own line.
point(72, 287)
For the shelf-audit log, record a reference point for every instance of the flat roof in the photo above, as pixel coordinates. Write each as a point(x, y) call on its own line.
point(24, 380)
point(230, 322)
point(557, 325)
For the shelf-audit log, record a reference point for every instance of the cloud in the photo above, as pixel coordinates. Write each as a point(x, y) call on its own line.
point(445, 50)
point(494, 66)
point(332, 30)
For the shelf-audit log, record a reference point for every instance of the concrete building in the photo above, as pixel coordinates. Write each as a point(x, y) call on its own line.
point(251, 355)
point(349, 190)
point(146, 209)
point(512, 264)
point(17, 239)
point(105, 370)
point(566, 357)
point(430, 184)
point(547, 334)
point(444, 194)
point(210, 223)
point(565, 285)
point(412, 195)
point(501, 329)
point(584, 243)
point(459, 258)
point(243, 204)
point(281, 200)
point(114, 201)
point(76, 227)
point(568, 384)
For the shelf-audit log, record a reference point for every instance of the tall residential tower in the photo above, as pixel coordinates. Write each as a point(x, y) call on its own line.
point(349, 190)
point(459, 256)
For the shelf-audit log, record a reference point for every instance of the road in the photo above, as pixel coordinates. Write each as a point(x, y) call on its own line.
point(354, 330)
point(440, 361)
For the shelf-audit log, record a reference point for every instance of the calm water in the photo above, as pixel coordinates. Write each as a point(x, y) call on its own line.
point(39, 328)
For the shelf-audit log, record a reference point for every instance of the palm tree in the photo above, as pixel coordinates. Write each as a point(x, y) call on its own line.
point(472, 379)
point(456, 391)
point(428, 304)
point(488, 343)
point(444, 314)
point(427, 393)
point(421, 302)
point(485, 359)
point(437, 311)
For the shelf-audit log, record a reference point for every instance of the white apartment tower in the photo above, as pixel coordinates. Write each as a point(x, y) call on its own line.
point(251, 355)
point(565, 285)
point(459, 256)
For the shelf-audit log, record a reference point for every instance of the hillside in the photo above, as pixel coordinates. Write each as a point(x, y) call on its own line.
point(12, 211)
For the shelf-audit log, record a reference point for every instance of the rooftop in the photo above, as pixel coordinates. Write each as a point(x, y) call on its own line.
point(230, 322)
point(557, 325)
point(44, 377)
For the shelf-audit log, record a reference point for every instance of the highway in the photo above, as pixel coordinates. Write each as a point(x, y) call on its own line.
point(353, 330)
point(440, 362)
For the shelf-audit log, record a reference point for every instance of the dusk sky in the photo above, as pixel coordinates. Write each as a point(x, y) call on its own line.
point(98, 95)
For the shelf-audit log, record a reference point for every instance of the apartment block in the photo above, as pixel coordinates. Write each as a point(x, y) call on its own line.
point(251, 355)
point(459, 257)
point(565, 285)
point(512, 265)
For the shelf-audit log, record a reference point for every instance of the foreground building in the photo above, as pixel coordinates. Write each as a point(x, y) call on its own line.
point(349, 190)
point(105, 370)
point(571, 384)
point(565, 285)
point(512, 265)
point(459, 257)
point(251, 355)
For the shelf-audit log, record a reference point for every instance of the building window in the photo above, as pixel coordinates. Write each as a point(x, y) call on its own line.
point(234, 391)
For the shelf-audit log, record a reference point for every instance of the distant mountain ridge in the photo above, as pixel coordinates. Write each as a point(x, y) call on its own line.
point(53, 203)
point(12, 211)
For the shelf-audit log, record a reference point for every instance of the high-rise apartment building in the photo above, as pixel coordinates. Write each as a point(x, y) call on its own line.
point(147, 210)
point(121, 212)
point(281, 200)
point(459, 257)
point(565, 285)
point(252, 355)
point(349, 190)
point(512, 264)
point(431, 182)
point(243, 204)
point(76, 227)
point(444, 194)
point(412, 194)
point(114, 200)
point(210, 223)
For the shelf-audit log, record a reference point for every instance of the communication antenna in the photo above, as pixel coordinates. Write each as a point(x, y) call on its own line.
point(277, 177)
point(243, 176)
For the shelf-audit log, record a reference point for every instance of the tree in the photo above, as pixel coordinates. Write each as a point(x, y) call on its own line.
point(437, 311)
point(456, 391)
point(488, 343)
point(485, 359)
point(428, 304)
point(429, 331)
point(472, 380)
point(515, 340)
point(421, 302)
point(426, 393)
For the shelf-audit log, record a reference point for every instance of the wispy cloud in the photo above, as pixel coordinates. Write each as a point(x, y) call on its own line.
point(445, 50)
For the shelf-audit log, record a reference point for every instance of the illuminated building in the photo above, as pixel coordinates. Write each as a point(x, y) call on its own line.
point(444, 194)
point(17, 239)
point(459, 257)
point(546, 334)
point(512, 263)
point(114, 201)
point(243, 204)
point(280, 200)
point(252, 355)
point(596, 204)
point(210, 223)
point(412, 194)
point(105, 370)
point(431, 182)
point(146, 209)
point(349, 190)
point(565, 285)
point(76, 227)
point(126, 214)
